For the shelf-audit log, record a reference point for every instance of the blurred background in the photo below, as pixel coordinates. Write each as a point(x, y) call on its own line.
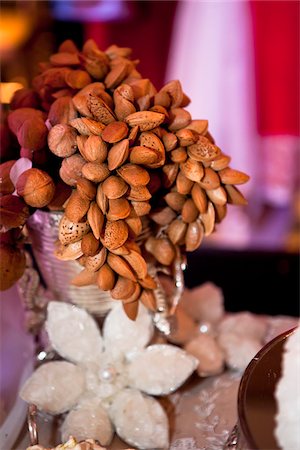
point(239, 63)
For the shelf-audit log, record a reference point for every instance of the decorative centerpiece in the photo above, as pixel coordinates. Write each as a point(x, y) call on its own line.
point(136, 183)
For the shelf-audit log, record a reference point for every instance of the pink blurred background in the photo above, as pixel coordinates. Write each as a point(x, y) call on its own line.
point(237, 61)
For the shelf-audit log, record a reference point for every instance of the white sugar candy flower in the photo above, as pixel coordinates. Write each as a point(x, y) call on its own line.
point(105, 380)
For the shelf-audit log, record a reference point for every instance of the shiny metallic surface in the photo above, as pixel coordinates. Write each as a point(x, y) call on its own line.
point(32, 427)
point(57, 274)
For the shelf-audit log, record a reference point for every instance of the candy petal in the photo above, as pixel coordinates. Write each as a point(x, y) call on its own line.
point(160, 369)
point(88, 421)
point(73, 333)
point(18, 168)
point(122, 335)
point(54, 387)
point(140, 420)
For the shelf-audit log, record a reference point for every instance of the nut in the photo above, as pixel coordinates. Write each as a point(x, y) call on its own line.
point(62, 140)
point(36, 187)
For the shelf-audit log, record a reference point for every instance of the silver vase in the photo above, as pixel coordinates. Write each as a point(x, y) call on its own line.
point(43, 233)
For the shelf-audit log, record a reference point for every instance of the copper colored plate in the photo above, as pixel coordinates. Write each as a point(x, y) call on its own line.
point(256, 401)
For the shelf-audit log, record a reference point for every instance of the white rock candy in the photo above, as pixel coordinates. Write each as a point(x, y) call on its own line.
point(88, 419)
point(209, 354)
point(122, 335)
point(160, 369)
point(238, 350)
point(54, 387)
point(140, 420)
point(287, 394)
point(80, 343)
point(204, 303)
point(244, 324)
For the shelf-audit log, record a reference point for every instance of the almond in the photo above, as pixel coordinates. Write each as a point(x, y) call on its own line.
point(106, 278)
point(116, 75)
point(96, 219)
point(87, 126)
point(118, 154)
point(101, 199)
point(100, 110)
point(137, 263)
point(200, 198)
point(170, 141)
point(220, 162)
point(95, 172)
point(123, 288)
point(141, 208)
point(148, 299)
point(163, 216)
point(148, 282)
point(186, 137)
point(234, 195)
point(64, 59)
point(175, 200)
point(194, 236)
point(94, 263)
point(220, 212)
point(131, 309)
point(200, 126)
point(89, 245)
point(120, 266)
point(78, 79)
point(144, 156)
point(138, 193)
point(193, 170)
point(176, 231)
point(86, 189)
point(69, 232)
point(189, 211)
point(133, 297)
point(92, 148)
point(146, 120)
point(179, 155)
point(118, 208)
point(68, 252)
point(179, 118)
point(183, 184)
point(218, 195)
point(80, 100)
point(174, 90)
point(115, 132)
point(77, 207)
point(208, 219)
point(134, 175)
point(203, 150)
point(210, 179)
point(134, 223)
point(170, 172)
point(84, 278)
point(115, 234)
point(231, 176)
point(114, 187)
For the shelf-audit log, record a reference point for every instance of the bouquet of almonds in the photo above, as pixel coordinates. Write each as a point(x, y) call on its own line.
point(139, 180)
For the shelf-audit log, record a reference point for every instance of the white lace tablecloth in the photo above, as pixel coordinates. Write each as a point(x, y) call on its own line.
point(202, 413)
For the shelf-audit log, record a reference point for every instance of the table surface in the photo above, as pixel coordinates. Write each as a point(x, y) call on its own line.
point(201, 413)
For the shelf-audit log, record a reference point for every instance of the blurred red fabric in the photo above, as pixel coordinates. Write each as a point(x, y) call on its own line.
point(277, 52)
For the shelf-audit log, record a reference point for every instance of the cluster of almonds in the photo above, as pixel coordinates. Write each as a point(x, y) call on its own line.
point(148, 182)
